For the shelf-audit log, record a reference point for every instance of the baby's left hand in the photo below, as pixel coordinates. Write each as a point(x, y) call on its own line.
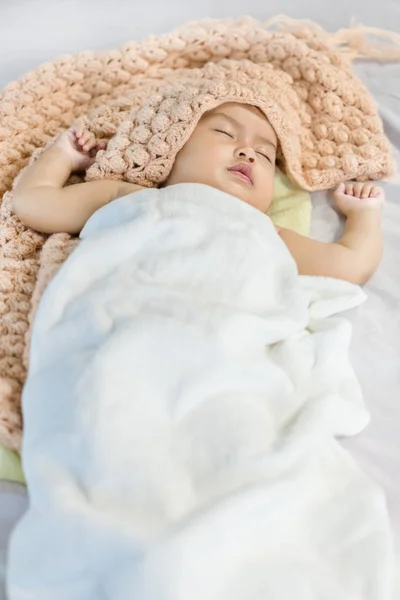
point(353, 197)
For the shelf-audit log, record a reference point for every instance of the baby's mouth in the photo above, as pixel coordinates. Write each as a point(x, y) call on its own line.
point(243, 171)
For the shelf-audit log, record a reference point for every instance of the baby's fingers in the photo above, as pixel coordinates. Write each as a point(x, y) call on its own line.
point(94, 145)
point(85, 139)
point(78, 133)
point(99, 146)
point(349, 189)
point(358, 189)
point(366, 189)
point(376, 192)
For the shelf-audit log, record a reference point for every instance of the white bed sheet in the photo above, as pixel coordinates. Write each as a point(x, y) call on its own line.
point(13, 503)
point(73, 25)
point(376, 325)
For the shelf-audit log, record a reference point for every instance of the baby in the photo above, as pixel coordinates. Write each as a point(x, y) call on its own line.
point(233, 148)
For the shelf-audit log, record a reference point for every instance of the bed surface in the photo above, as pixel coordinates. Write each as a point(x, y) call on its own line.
point(72, 25)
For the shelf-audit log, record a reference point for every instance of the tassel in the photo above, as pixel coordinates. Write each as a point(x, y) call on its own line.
point(352, 42)
point(355, 43)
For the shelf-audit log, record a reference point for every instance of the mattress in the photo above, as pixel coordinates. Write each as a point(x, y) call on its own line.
point(72, 25)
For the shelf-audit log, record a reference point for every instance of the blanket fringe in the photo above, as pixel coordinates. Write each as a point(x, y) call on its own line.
point(352, 42)
point(355, 43)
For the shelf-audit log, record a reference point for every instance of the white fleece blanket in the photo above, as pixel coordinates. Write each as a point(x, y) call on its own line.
point(185, 392)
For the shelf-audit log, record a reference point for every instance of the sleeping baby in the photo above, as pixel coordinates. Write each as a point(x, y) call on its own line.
point(186, 387)
point(233, 149)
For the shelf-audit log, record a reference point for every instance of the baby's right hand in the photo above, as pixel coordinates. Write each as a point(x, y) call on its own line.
point(80, 146)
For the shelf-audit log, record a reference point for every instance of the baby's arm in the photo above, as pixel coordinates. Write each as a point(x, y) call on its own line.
point(357, 254)
point(41, 201)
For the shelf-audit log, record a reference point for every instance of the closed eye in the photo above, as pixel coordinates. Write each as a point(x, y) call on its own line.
point(225, 132)
point(264, 156)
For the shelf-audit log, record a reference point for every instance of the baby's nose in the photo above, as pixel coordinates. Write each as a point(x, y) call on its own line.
point(247, 154)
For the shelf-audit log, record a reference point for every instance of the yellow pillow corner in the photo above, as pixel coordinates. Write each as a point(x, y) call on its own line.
point(291, 206)
point(10, 466)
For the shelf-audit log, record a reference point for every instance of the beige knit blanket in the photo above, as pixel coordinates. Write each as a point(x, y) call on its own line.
point(341, 131)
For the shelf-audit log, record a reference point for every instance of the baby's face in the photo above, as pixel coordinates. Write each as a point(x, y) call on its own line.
point(233, 149)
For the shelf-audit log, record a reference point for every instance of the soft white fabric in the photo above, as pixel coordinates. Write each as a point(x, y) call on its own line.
point(184, 394)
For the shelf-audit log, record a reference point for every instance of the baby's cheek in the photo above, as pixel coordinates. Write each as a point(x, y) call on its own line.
point(269, 188)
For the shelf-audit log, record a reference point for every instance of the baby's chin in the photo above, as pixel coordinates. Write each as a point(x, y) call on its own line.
point(247, 193)
point(250, 195)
